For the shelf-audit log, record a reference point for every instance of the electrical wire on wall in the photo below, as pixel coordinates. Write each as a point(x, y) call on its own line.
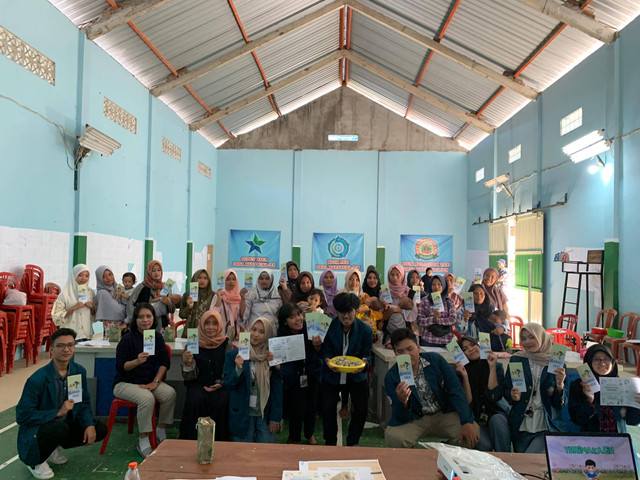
point(60, 128)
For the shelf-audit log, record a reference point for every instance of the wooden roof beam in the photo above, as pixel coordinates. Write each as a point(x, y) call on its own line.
point(246, 49)
point(489, 73)
point(273, 88)
point(125, 13)
point(573, 17)
point(419, 92)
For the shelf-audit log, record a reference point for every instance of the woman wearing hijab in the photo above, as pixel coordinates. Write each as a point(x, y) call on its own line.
point(301, 379)
point(436, 326)
point(536, 410)
point(263, 300)
point(109, 309)
point(191, 310)
point(227, 302)
point(301, 292)
point(496, 296)
point(293, 272)
point(402, 309)
point(68, 311)
point(474, 323)
point(202, 373)
point(457, 299)
point(584, 406)
point(371, 285)
point(485, 381)
point(149, 291)
point(329, 285)
point(414, 280)
point(255, 389)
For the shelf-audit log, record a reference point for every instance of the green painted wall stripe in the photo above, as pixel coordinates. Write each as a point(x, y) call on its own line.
point(189, 268)
point(380, 252)
point(79, 248)
point(522, 271)
point(295, 255)
point(148, 253)
point(610, 276)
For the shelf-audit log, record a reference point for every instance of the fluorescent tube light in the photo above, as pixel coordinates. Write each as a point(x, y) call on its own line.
point(588, 146)
point(98, 142)
point(497, 181)
point(343, 138)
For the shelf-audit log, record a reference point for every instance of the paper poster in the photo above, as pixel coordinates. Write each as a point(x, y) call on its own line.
point(456, 352)
point(166, 288)
point(588, 377)
point(74, 388)
point(338, 251)
point(83, 294)
point(416, 295)
point(437, 301)
point(517, 376)
point(619, 392)
point(457, 287)
point(317, 324)
point(386, 295)
point(405, 369)
point(556, 360)
point(193, 291)
point(420, 252)
point(220, 280)
point(287, 349)
point(484, 342)
point(149, 345)
point(283, 272)
point(468, 302)
point(192, 341)
point(244, 345)
point(248, 281)
point(254, 249)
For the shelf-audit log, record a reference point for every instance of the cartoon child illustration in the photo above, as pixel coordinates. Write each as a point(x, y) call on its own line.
point(517, 373)
point(585, 376)
point(590, 467)
point(324, 325)
point(455, 350)
point(193, 337)
point(558, 354)
point(485, 342)
point(404, 366)
point(149, 339)
point(75, 385)
point(244, 342)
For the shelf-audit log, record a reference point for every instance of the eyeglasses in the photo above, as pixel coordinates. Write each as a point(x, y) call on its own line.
point(65, 346)
point(603, 361)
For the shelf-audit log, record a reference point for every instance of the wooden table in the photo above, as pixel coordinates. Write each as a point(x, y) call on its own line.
point(177, 459)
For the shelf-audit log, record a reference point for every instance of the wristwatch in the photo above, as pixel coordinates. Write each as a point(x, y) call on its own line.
point(156, 380)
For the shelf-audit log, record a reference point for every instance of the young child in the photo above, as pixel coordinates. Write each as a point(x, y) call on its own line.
point(372, 316)
point(590, 467)
point(314, 300)
point(128, 281)
point(499, 319)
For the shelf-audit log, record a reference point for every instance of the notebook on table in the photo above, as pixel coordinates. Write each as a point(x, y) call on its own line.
point(572, 456)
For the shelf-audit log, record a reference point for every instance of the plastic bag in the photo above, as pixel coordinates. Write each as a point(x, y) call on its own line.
point(15, 297)
point(206, 438)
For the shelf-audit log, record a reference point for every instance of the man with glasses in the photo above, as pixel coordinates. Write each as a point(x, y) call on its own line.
point(47, 417)
point(349, 336)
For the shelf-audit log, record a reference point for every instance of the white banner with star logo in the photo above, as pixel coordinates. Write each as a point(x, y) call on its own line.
point(254, 249)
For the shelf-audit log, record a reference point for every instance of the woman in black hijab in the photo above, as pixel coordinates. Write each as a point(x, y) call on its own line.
point(479, 320)
point(371, 284)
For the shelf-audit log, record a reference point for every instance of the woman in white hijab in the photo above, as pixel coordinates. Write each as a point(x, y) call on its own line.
point(69, 311)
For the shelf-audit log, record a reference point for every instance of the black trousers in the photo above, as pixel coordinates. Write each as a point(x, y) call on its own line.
point(300, 407)
point(64, 434)
point(359, 400)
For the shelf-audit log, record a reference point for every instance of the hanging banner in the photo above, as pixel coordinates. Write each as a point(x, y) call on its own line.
point(423, 251)
point(254, 249)
point(338, 251)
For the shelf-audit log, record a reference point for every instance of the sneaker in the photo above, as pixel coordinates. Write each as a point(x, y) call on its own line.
point(57, 458)
point(41, 471)
point(145, 453)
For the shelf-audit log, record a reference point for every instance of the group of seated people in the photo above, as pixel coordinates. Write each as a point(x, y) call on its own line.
point(475, 405)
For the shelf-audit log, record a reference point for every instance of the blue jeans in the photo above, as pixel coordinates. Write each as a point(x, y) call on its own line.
point(496, 435)
point(525, 442)
point(258, 432)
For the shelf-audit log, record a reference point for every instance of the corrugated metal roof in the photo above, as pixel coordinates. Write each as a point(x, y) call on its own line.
point(260, 17)
point(616, 13)
point(249, 118)
point(425, 16)
point(308, 89)
point(504, 107)
point(433, 119)
point(471, 137)
point(378, 89)
point(214, 133)
point(80, 11)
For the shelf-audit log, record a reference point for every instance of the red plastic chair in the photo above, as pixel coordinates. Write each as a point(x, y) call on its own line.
point(20, 319)
point(515, 324)
point(32, 285)
point(566, 337)
point(615, 342)
point(117, 403)
point(604, 319)
point(3, 341)
point(629, 344)
point(52, 288)
point(570, 319)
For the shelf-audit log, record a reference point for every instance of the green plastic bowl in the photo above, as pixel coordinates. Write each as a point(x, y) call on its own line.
point(615, 333)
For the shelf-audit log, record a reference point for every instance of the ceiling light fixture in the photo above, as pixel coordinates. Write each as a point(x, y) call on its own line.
point(588, 146)
point(94, 140)
point(496, 181)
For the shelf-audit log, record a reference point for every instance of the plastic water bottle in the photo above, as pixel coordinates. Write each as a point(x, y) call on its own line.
point(132, 473)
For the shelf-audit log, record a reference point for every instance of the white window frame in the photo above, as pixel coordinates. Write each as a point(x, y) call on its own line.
point(571, 122)
point(480, 174)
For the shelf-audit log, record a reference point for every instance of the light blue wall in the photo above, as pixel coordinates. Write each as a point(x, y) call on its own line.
point(339, 191)
point(38, 185)
point(591, 215)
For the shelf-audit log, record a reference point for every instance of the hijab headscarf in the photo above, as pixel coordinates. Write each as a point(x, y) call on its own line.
point(482, 310)
point(206, 341)
point(445, 288)
point(154, 285)
point(591, 352)
point(401, 290)
point(258, 354)
point(478, 374)
point(292, 282)
point(496, 295)
point(107, 307)
point(298, 295)
point(353, 271)
point(540, 356)
point(231, 297)
point(100, 282)
point(80, 320)
point(329, 293)
point(375, 291)
point(69, 293)
point(259, 294)
point(200, 306)
point(457, 299)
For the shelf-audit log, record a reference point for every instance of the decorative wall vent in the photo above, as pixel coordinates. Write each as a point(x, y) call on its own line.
point(119, 115)
point(171, 149)
point(23, 54)
point(204, 170)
